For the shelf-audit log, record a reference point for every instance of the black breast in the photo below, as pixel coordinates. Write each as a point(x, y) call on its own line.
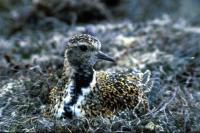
point(82, 79)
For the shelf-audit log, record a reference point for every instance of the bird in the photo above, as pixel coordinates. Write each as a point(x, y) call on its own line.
point(90, 93)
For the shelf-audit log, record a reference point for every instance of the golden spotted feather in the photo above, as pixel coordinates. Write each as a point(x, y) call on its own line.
point(111, 94)
point(114, 93)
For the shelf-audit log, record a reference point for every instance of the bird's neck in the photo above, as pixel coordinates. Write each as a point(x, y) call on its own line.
point(82, 76)
point(81, 80)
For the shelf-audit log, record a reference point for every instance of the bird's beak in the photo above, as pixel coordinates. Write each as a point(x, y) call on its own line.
point(103, 56)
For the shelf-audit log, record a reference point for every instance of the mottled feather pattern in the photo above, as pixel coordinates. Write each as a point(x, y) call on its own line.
point(87, 39)
point(87, 93)
point(112, 93)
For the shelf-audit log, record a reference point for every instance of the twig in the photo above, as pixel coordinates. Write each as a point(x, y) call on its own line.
point(4, 107)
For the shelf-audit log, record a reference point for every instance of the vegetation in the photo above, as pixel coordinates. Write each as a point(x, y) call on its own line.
point(32, 40)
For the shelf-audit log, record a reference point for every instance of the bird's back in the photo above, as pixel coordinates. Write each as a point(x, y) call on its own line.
point(115, 92)
point(111, 94)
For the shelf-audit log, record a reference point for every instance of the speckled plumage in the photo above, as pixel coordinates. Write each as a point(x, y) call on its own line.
point(89, 40)
point(113, 93)
point(89, 93)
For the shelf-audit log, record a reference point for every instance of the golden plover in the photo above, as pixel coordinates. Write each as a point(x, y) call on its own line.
point(90, 93)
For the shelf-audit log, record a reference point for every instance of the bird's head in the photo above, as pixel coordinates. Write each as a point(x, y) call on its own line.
point(84, 50)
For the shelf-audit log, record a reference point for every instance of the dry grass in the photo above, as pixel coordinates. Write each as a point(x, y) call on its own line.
point(31, 63)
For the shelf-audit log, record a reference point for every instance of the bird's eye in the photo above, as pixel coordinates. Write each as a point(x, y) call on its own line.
point(83, 48)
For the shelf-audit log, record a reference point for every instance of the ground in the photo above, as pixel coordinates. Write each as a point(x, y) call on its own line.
point(31, 61)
